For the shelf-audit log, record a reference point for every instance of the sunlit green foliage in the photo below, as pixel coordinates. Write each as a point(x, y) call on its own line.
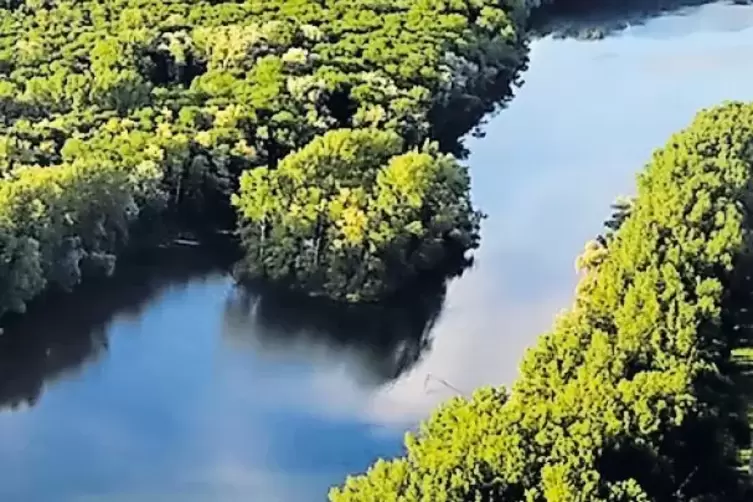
point(180, 97)
point(628, 398)
point(352, 216)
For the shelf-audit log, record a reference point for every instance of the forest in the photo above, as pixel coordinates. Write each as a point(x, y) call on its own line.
point(639, 392)
point(119, 115)
point(328, 134)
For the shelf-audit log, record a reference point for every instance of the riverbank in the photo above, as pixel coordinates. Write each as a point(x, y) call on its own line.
point(182, 402)
point(171, 122)
point(63, 332)
point(627, 397)
point(121, 112)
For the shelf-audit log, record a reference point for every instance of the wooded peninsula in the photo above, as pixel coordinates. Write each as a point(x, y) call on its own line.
point(328, 135)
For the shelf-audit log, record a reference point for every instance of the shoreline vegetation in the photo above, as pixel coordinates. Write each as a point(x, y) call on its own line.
point(329, 133)
point(118, 115)
point(48, 342)
point(640, 391)
point(122, 120)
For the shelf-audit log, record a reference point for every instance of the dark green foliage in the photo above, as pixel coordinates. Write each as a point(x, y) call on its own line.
point(57, 223)
point(111, 111)
point(628, 397)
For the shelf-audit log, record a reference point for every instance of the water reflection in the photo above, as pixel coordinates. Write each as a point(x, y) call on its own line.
point(386, 339)
point(213, 393)
point(64, 332)
point(587, 118)
point(582, 19)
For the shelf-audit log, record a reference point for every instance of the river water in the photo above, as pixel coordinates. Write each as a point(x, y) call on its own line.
point(169, 384)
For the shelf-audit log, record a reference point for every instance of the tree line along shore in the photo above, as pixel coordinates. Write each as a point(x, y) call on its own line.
point(329, 134)
point(641, 390)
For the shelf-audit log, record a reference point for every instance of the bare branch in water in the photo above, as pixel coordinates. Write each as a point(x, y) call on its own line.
point(444, 382)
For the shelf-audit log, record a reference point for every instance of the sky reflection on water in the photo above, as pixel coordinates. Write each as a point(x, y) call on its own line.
point(182, 404)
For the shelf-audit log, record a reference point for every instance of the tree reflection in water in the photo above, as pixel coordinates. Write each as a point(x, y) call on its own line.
point(64, 331)
point(582, 19)
point(387, 338)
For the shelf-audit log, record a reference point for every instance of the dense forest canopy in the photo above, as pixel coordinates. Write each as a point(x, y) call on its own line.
point(334, 127)
point(634, 395)
point(352, 216)
point(113, 111)
point(148, 105)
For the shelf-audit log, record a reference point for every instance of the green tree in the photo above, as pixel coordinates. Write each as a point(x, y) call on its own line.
point(352, 217)
point(629, 397)
point(180, 97)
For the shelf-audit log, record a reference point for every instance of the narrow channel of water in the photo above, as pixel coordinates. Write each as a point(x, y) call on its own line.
point(173, 385)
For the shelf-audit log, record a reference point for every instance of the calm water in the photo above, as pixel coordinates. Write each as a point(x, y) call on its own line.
point(175, 386)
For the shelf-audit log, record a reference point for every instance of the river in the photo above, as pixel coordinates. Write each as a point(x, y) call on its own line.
point(167, 383)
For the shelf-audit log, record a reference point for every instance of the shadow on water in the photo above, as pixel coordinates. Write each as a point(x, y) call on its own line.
point(64, 331)
point(387, 338)
point(582, 20)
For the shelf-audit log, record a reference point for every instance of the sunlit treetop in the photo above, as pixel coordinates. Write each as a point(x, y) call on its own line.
point(353, 216)
point(250, 79)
